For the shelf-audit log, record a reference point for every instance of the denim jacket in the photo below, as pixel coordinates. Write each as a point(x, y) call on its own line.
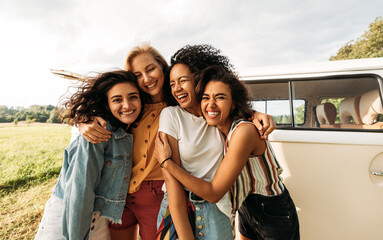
point(94, 178)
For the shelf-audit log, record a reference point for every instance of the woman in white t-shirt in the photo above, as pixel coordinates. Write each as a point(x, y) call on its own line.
point(196, 147)
point(266, 210)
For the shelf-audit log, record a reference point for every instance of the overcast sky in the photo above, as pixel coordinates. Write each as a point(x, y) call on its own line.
point(84, 35)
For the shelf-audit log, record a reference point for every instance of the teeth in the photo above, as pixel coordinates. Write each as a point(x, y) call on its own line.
point(182, 96)
point(127, 113)
point(213, 114)
point(150, 86)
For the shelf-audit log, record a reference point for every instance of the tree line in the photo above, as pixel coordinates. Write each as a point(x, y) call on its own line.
point(35, 113)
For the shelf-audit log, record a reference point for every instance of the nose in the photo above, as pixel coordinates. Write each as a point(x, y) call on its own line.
point(146, 77)
point(126, 104)
point(177, 86)
point(211, 102)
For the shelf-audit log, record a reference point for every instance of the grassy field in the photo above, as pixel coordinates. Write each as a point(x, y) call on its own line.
point(30, 161)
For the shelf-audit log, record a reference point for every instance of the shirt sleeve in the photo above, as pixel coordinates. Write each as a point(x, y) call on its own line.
point(168, 122)
point(79, 196)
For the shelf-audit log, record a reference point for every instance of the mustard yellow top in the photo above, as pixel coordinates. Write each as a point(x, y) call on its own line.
point(145, 165)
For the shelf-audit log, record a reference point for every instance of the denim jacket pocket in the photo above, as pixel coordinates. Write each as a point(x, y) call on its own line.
point(112, 175)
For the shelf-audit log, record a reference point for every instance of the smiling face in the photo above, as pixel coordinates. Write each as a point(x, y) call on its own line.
point(124, 102)
point(150, 76)
point(216, 105)
point(183, 89)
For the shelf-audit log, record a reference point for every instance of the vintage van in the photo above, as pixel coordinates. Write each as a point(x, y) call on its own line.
point(329, 140)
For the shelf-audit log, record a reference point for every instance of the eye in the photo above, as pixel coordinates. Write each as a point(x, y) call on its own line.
point(205, 98)
point(172, 84)
point(138, 76)
point(116, 100)
point(151, 69)
point(134, 97)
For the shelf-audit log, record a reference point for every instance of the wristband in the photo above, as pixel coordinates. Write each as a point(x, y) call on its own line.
point(162, 163)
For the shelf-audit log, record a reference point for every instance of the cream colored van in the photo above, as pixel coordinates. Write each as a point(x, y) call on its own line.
point(329, 140)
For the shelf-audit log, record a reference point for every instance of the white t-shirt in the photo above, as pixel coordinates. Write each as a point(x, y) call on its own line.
point(201, 146)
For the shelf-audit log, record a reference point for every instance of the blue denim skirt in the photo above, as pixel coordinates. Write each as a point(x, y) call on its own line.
point(210, 222)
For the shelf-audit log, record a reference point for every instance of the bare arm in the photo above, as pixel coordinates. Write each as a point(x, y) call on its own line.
point(176, 197)
point(229, 169)
point(264, 123)
point(95, 132)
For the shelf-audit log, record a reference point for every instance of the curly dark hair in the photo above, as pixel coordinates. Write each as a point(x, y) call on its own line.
point(240, 96)
point(199, 57)
point(91, 100)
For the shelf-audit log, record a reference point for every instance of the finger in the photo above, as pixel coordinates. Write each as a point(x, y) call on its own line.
point(101, 130)
point(271, 128)
point(101, 122)
point(165, 140)
point(259, 126)
point(91, 138)
point(162, 136)
point(158, 138)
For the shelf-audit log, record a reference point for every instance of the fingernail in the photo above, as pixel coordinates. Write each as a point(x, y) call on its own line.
point(260, 127)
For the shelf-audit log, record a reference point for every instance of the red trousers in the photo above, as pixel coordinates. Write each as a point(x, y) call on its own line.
point(142, 208)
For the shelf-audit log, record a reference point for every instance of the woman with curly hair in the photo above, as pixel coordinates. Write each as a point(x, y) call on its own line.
point(195, 146)
point(94, 179)
point(249, 171)
point(145, 195)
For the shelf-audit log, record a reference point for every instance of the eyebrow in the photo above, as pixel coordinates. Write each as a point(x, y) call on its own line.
point(218, 94)
point(149, 65)
point(179, 78)
point(130, 94)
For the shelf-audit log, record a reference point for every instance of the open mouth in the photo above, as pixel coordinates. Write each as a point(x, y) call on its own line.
point(152, 85)
point(182, 97)
point(127, 113)
point(212, 114)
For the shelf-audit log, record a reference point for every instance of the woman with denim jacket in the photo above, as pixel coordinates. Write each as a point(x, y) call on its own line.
point(249, 171)
point(94, 179)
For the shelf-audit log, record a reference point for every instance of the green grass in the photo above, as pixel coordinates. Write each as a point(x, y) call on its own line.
point(30, 161)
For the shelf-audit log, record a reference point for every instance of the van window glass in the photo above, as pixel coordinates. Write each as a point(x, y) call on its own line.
point(273, 99)
point(350, 102)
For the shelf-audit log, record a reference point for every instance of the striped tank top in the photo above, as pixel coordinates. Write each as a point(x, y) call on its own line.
point(260, 175)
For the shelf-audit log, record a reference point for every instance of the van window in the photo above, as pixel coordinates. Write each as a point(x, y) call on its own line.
point(280, 110)
point(351, 102)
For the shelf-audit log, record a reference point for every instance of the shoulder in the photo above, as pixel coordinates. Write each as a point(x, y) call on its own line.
point(172, 111)
point(245, 133)
point(240, 126)
point(245, 130)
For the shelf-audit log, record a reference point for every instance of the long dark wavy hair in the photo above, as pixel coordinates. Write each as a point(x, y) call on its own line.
point(91, 100)
point(198, 57)
point(240, 96)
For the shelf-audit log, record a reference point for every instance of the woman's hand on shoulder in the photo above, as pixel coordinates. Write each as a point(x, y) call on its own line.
point(264, 123)
point(95, 131)
point(162, 148)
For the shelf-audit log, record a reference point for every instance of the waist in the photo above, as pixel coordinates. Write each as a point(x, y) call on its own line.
point(194, 198)
point(151, 184)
